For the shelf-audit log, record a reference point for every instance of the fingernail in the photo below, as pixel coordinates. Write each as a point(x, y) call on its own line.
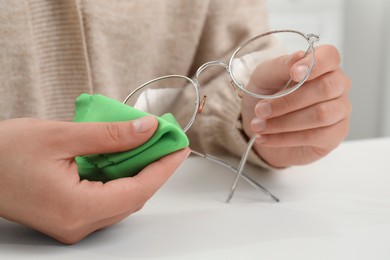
point(263, 109)
point(301, 72)
point(258, 124)
point(260, 139)
point(143, 124)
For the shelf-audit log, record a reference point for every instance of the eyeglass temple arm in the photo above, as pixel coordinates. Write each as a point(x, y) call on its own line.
point(234, 169)
point(311, 38)
point(241, 174)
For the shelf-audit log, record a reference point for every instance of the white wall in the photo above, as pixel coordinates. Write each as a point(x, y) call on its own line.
point(361, 31)
point(365, 55)
point(386, 92)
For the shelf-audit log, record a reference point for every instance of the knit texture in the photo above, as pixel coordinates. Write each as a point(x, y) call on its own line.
point(52, 51)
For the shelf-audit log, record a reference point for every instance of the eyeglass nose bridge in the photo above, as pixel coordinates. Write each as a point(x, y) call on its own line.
point(209, 64)
point(197, 74)
point(238, 91)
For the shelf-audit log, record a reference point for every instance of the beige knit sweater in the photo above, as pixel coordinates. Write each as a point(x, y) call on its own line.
point(51, 51)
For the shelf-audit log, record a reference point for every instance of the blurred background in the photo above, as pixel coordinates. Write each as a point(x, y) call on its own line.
point(361, 31)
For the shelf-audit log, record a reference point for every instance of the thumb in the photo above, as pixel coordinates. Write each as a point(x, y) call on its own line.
point(272, 75)
point(95, 138)
point(327, 59)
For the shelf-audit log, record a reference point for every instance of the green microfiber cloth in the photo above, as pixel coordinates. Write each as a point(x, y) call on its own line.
point(169, 137)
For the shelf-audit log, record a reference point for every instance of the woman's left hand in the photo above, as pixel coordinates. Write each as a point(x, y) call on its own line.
point(307, 124)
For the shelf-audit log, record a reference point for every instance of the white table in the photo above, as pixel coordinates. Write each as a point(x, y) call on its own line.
point(336, 208)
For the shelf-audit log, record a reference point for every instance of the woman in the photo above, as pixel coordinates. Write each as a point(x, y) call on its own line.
point(52, 51)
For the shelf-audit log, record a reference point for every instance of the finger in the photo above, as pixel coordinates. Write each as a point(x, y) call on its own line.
point(130, 194)
point(326, 87)
point(94, 138)
point(155, 175)
point(325, 137)
point(327, 59)
point(316, 116)
point(268, 80)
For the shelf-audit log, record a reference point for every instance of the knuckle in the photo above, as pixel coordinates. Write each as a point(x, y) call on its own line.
point(333, 84)
point(328, 87)
point(285, 103)
point(320, 113)
point(334, 135)
point(113, 132)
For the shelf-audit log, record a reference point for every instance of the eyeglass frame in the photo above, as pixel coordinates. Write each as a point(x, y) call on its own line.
point(240, 90)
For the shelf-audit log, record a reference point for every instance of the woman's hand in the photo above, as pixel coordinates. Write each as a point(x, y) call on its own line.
point(307, 124)
point(39, 182)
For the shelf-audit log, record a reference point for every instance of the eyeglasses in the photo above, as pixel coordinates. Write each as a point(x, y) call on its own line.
point(167, 94)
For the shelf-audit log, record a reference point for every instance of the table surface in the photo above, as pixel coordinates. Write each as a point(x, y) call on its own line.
point(336, 208)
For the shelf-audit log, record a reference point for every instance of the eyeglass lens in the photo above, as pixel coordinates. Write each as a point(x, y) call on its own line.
point(167, 95)
point(261, 65)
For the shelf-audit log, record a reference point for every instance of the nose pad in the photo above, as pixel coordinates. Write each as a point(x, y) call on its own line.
point(238, 91)
point(202, 103)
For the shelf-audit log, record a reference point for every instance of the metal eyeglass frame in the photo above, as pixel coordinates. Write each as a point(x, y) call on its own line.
point(240, 89)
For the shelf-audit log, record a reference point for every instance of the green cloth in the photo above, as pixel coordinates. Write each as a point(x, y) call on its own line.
point(169, 137)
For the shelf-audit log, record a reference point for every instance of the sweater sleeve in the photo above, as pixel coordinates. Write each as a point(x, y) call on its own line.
point(218, 129)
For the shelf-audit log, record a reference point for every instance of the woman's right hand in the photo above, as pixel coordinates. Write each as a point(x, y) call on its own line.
point(39, 182)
